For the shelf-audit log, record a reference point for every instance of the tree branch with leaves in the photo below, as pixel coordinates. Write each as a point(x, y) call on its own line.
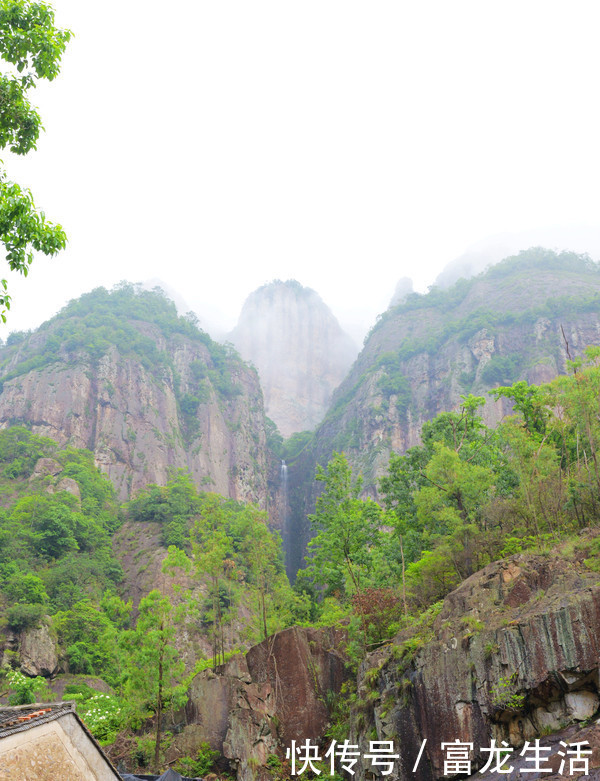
point(33, 46)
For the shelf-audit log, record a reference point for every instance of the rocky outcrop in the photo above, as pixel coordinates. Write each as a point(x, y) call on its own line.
point(60, 682)
point(514, 655)
point(199, 408)
point(38, 652)
point(520, 320)
point(555, 762)
point(256, 704)
point(299, 349)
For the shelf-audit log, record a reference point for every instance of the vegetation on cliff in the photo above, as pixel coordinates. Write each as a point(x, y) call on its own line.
point(120, 373)
point(466, 496)
point(58, 568)
point(422, 355)
point(120, 318)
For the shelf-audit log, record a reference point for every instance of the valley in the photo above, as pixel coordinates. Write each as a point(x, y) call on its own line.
point(220, 555)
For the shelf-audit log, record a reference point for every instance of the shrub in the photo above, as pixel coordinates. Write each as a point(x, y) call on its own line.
point(503, 695)
point(203, 763)
point(24, 616)
point(26, 588)
point(24, 688)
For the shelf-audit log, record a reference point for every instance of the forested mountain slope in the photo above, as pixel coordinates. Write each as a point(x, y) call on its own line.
point(146, 391)
point(425, 353)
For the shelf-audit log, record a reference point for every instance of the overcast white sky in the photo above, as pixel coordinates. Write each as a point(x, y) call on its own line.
point(219, 144)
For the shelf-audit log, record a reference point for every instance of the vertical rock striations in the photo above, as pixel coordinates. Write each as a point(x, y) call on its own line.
point(254, 706)
point(512, 655)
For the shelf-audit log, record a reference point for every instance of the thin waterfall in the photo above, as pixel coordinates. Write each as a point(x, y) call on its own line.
point(284, 494)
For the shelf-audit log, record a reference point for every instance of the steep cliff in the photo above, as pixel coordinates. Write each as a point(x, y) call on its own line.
point(519, 320)
point(422, 355)
point(512, 655)
point(254, 706)
point(146, 391)
point(299, 349)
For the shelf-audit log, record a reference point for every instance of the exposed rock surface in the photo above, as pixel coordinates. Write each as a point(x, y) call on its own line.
point(420, 359)
point(46, 467)
point(514, 654)
point(142, 420)
point(256, 704)
point(299, 349)
point(60, 682)
point(427, 352)
point(37, 651)
point(555, 758)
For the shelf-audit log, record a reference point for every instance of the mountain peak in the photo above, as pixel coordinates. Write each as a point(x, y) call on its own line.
point(301, 352)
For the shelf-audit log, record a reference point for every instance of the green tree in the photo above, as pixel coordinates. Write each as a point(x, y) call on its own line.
point(451, 505)
point(172, 506)
point(155, 672)
point(212, 546)
point(90, 640)
point(31, 43)
point(346, 530)
point(261, 548)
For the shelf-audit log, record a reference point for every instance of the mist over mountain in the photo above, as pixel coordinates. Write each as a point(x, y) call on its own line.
point(299, 349)
point(493, 249)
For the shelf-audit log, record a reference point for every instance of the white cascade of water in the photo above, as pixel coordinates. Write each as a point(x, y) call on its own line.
point(284, 498)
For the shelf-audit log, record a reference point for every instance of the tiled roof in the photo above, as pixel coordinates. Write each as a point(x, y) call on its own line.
point(21, 717)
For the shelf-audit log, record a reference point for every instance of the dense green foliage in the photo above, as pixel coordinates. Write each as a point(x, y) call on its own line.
point(58, 567)
point(55, 547)
point(31, 43)
point(463, 498)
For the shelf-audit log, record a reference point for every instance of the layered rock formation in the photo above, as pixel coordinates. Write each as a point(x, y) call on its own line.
point(299, 349)
point(514, 655)
point(161, 397)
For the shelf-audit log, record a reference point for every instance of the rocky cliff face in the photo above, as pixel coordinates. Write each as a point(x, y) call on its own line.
point(255, 705)
point(153, 400)
point(299, 349)
point(514, 655)
point(522, 319)
point(424, 353)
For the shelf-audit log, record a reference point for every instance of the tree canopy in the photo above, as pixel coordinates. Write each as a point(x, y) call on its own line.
point(33, 46)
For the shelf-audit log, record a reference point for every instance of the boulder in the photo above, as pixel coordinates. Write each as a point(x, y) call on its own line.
point(255, 705)
point(37, 652)
point(70, 486)
point(581, 705)
point(45, 467)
